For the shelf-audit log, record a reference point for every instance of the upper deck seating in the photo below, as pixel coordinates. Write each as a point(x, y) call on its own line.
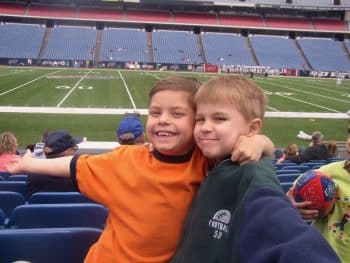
point(70, 43)
point(324, 54)
point(14, 35)
point(122, 44)
point(175, 47)
point(276, 52)
point(228, 49)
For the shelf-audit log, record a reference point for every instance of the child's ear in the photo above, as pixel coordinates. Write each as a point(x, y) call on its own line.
point(255, 126)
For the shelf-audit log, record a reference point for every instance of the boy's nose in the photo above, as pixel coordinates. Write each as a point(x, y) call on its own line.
point(207, 126)
point(163, 119)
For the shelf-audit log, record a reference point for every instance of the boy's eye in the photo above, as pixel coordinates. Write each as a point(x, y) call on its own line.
point(178, 114)
point(220, 118)
point(199, 119)
point(154, 113)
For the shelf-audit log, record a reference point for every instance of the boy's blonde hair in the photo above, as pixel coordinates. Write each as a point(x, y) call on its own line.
point(177, 83)
point(8, 143)
point(246, 96)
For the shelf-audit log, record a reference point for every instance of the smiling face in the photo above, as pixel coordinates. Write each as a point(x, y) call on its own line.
point(170, 122)
point(217, 129)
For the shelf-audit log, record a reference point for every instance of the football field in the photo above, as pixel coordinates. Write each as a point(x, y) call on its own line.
point(90, 102)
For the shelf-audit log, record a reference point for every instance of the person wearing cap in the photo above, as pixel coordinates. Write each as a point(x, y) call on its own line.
point(130, 131)
point(56, 144)
point(317, 151)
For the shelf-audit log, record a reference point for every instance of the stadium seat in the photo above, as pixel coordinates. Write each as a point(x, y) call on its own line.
point(58, 215)
point(301, 168)
point(18, 177)
point(2, 178)
point(54, 245)
point(2, 219)
point(287, 171)
point(5, 174)
point(58, 198)
point(285, 178)
point(10, 200)
point(14, 186)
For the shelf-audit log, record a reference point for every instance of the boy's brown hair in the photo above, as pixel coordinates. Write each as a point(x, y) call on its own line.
point(177, 83)
point(249, 99)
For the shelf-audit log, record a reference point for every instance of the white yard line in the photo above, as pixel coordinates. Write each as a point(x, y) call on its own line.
point(335, 90)
point(74, 87)
point(127, 90)
point(310, 93)
point(20, 86)
point(119, 111)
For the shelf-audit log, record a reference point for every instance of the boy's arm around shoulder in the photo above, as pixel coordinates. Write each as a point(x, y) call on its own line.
point(272, 230)
point(27, 164)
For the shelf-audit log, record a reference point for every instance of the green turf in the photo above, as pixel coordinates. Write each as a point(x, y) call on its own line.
point(106, 89)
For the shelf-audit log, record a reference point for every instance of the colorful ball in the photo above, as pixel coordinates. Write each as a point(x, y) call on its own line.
point(319, 189)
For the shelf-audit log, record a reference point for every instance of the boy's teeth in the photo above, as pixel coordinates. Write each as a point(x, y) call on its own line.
point(164, 134)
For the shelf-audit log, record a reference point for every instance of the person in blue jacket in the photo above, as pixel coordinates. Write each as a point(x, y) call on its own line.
point(240, 213)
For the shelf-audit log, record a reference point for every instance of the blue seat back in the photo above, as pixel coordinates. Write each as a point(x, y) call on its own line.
point(288, 178)
point(58, 198)
point(10, 200)
point(287, 171)
point(54, 245)
point(301, 168)
point(58, 215)
point(18, 177)
point(14, 186)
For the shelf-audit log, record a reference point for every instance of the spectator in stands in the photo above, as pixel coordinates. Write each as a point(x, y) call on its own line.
point(30, 147)
point(317, 151)
point(241, 214)
point(291, 150)
point(335, 226)
point(8, 149)
point(38, 151)
point(148, 193)
point(57, 144)
point(332, 149)
point(130, 130)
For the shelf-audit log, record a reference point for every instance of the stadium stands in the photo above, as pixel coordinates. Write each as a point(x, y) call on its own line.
point(14, 186)
point(119, 44)
point(332, 60)
point(58, 215)
point(58, 198)
point(175, 47)
point(148, 16)
point(18, 177)
point(12, 9)
point(66, 43)
point(276, 52)
point(100, 14)
point(195, 18)
point(229, 49)
point(17, 34)
point(54, 245)
point(9, 201)
point(53, 12)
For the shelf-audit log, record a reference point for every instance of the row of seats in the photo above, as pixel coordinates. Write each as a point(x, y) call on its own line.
point(54, 245)
point(10, 199)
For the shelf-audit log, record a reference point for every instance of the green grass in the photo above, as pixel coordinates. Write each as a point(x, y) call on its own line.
point(108, 91)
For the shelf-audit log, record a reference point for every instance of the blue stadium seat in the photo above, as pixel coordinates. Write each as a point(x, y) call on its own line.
point(18, 177)
point(14, 186)
point(287, 171)
point(10, 200)
point(301, 168)
point(58, 198)
point(2, 219)
point(54, 245)
point(285, 178)
point(5, 174)
point(58, 215)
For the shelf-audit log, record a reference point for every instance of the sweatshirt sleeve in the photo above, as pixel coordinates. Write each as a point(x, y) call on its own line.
point(272, 230)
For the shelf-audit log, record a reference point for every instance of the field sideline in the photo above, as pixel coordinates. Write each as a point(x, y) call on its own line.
point(90, 102)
